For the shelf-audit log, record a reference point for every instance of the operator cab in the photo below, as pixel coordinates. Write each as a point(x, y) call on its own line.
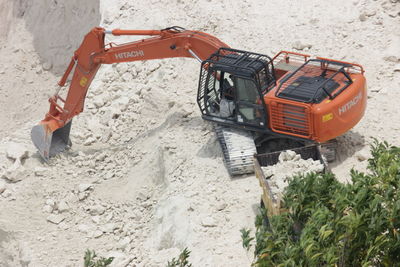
point(231, 88)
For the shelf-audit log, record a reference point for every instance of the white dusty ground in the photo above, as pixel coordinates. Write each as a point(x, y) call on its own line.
point(145, 177)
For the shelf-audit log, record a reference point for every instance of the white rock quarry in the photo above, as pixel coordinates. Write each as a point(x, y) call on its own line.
point(144, 170)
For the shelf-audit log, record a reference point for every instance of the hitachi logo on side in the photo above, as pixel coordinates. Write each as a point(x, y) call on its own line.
point(131, 54)
point(350, 104)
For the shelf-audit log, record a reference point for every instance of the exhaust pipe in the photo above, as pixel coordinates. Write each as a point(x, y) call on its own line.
point(51, 142)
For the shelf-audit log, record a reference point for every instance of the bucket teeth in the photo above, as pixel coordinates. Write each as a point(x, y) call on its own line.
point(238, 148)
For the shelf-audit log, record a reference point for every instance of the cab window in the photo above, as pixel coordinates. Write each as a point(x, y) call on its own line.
point(246, 90)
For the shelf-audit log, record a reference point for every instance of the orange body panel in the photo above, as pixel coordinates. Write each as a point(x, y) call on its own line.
point(322, 121)
point(347, 109)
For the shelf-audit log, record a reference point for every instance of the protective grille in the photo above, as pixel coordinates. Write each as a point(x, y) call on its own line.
point(202, 87)
point(290, 119)
point(314, 81)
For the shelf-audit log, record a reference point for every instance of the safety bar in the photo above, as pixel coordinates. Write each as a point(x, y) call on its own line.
point(287, 53)
point(133, 32)
point(353, 65)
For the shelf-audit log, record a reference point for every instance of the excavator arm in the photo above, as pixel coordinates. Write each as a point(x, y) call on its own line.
point(51, 136)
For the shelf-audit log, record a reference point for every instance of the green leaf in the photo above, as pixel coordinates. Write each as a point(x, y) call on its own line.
point(308, 248)
point(181, 261)
point(316, 256)
point(326, 234)
point(246, 239)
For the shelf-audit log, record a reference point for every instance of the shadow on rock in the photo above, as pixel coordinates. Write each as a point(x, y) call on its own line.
point(347, 146)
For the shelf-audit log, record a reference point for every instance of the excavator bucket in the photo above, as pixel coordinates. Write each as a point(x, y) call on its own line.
point(51, 142)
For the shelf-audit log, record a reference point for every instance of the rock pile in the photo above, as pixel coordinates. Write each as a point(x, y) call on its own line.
point(289, 164)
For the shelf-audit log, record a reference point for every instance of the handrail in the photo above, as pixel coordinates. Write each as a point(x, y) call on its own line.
point(343, 62)
point(290, 53)
point(287, 78)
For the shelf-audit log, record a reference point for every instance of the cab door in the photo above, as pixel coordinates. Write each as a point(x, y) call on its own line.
point(249, 104)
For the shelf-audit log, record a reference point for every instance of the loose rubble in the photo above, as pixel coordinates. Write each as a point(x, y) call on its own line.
point(301, 45)
point(16, 152)
point(55, 218)
point(289, 164)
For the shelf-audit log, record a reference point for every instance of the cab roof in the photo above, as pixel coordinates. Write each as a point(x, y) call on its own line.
point(239, 62)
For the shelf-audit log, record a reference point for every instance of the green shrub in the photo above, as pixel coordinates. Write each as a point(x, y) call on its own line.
point(181, 261)
point(91, 260)
point(333, 224)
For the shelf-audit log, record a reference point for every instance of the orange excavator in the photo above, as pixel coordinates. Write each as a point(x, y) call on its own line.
point(255, 101)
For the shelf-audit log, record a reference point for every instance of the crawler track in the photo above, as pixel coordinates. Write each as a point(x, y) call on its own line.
point(238, 147)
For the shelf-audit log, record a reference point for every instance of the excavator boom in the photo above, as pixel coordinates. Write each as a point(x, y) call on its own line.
point(51, 136)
